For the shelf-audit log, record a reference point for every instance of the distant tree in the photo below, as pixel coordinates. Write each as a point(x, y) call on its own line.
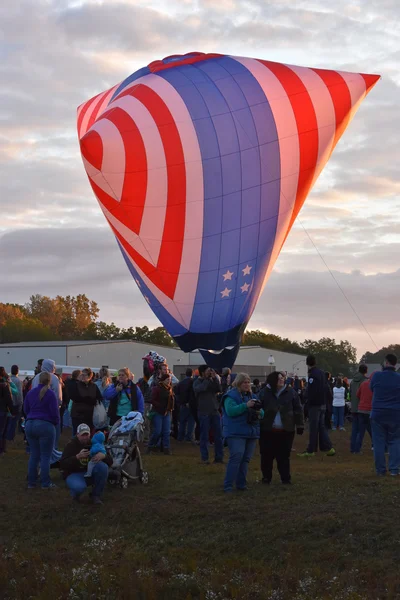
point(102, 331)
point(10, 312)
point(25, 330)
point(270, 340)
point(378, 357)
point(333, 357)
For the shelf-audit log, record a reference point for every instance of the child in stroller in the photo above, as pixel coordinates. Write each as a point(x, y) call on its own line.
point(123, 445)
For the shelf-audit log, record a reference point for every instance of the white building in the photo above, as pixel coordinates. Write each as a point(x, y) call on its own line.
point(256, 361)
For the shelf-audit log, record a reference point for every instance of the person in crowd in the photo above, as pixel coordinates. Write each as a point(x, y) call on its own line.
point(283, 414)
point(162, 401)
point(18, 401)
point(103, 382)
point(6, 408)
point(241, 430)
point(123, 397)
point(316, 402)
point(38, 368)
point(329, 400)
point(74, 463)
point(359, 378)
point(338, 404)
point(364, 407)
point(42, 417)
point(65, 400)
point(184, 398)
point(206, 388)
point(385, 416)
point(84, 398)
point(256, 387)
point(226, 379)
point(97, 445)
point(48, 365)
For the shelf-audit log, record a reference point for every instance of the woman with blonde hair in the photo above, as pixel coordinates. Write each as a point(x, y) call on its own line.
point(42, 417)
point(123, 397)
point(241, 429)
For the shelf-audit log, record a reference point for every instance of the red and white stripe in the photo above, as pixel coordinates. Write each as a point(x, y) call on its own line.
point(162, 231)
point(311, 108)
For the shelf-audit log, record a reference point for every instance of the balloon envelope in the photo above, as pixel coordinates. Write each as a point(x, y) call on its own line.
point(200, 164)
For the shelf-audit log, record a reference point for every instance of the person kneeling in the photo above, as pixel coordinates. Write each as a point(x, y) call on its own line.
point(74, 464)
point(241, 429)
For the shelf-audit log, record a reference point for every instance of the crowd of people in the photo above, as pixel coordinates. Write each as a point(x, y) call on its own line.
point(226, 412)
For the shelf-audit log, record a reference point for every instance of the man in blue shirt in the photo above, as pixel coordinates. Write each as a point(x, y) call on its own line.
point(385, 416)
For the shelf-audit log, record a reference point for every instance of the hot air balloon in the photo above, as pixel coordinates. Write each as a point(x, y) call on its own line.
point(200, 164)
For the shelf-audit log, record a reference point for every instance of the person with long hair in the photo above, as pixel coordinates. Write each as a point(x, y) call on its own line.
point(123, 397)
point(84, 398)
point(6, 407)
point(283, 414)
point(241, 430)
point(162, 401)
point(42, 418)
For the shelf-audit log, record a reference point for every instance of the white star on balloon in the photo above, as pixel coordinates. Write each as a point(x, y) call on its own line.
point(245, 287)
point(246, 270)
point(147, 299)
point(138, 282)
point(228, 275)
point(225, 293)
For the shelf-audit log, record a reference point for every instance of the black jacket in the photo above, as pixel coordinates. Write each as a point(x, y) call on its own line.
point(184, 393)
point(316, 388)
point(70, 464)
point(85, 396)
point(132, 391)
point(289, 406)
point(6, 403)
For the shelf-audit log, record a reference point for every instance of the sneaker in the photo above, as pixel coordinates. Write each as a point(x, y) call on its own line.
point(31, 487)
point(342, 429)
point(243, 489)
point(204, 462)
point(167, 451)
point(331, 452)
point(52, 486)
point(96, 500)
point(265, 481)
point(306, 454)
point(218, 462)
point(286, 483)
point(394, 474)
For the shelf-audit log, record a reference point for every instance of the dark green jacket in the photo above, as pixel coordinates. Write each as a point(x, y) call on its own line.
point(357, 380)
point(288, 404)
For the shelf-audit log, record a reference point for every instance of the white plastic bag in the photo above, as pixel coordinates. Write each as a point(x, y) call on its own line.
point(99, 416)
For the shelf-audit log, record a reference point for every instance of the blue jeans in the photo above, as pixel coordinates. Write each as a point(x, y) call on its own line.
point(213, 422)
point(317, 430)
point(161, 429)
point(40, 435)
point(386, 434)
point(338, 416)
point(77, 482)
point(364, 425)
point(12, 426)
point(186, 424)
point(240, 452)
point(355, 432)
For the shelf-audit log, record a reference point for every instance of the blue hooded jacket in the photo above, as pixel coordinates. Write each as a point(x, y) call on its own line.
point(237, 426)
point(385, 386)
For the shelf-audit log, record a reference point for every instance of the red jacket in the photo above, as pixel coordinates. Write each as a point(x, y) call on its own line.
point(364, 394)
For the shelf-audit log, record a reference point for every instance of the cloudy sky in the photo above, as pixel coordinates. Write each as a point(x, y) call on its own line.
point(55, 54)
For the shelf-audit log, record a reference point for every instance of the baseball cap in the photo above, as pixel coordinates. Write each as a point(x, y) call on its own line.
point(83, 428)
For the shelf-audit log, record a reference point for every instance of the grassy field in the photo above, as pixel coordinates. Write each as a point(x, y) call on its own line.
point(334, 534)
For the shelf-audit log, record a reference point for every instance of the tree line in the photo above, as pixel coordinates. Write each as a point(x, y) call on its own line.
point(76, 318)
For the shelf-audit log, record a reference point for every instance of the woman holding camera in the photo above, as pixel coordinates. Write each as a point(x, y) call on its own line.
point(282, 414)
point(241, 429)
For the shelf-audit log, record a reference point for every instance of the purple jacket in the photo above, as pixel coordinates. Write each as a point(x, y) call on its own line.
point(45, 409)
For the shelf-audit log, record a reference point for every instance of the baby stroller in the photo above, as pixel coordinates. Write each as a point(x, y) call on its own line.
point(122, 444)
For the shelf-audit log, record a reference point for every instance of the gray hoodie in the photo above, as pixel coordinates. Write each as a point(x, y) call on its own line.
point(354, 385)
point(49, 366)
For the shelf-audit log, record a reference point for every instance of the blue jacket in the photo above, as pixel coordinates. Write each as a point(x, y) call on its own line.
point(315, 392)
point(385, 386)
point(238, 426)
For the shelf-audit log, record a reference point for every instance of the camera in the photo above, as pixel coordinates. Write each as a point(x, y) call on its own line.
point(257, 405)
point(253, 413)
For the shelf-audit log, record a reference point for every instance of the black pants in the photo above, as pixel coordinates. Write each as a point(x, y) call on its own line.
point(278, 445)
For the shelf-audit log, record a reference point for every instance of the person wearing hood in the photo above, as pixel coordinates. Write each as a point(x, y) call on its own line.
point(356, 419)
point(49, 366)
point(283, 414)
point(385, 416)
point(84, 398)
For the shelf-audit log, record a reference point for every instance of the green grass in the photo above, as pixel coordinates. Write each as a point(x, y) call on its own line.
point(334, 534)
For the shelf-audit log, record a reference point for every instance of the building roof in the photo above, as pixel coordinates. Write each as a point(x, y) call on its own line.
point(62, 343)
